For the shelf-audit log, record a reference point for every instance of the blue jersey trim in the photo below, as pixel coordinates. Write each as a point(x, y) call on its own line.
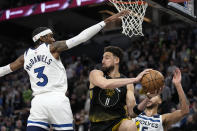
point(156, 116)
point(62, 125)
point(46, 45)
point(148, 119)
point(41, 123)
point(26, 51)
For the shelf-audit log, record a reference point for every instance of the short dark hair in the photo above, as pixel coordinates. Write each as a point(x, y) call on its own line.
point(37, 31)
point(116, 51)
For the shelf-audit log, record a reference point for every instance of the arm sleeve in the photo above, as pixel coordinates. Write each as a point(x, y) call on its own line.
point(5, 70)
point(85, 35)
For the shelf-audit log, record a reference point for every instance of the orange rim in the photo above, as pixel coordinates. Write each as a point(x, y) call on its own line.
point(129, 2)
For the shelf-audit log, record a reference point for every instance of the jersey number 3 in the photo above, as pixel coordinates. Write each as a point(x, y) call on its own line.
point(41, 75)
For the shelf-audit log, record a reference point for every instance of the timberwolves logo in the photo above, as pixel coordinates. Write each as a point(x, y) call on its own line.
point(109, 97)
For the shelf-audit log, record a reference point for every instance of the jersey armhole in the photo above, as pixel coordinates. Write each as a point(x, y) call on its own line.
point(25, 54)
point(52, 54)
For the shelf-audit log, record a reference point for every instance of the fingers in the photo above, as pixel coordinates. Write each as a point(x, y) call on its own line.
point(176, 72)
point(148, 95)
point(151, 95)
point(124, 12)
point(146, 71)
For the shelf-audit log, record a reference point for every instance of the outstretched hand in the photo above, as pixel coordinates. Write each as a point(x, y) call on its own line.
point(177, 76)
point(116, 16)
point(139, 77)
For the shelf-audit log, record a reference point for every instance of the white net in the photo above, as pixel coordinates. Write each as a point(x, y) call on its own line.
point(190, 6)
point(132, 23)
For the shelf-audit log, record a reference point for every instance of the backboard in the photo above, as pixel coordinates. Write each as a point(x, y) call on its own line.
point(182, 10)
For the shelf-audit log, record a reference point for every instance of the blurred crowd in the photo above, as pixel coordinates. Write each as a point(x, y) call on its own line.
point(162, 49)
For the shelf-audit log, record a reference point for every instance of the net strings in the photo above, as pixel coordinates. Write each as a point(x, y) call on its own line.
point(132, 23)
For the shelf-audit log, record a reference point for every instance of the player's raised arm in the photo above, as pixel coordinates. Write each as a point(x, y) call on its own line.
point(18, 63)
point(177, 115)
point(86, 34)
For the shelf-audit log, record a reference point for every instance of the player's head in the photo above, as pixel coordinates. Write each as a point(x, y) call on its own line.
point(42, 35)
point(154, 101)
point(112, 57)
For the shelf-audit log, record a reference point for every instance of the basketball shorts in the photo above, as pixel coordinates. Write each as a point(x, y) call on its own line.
point(51, 109)
point(111, 125)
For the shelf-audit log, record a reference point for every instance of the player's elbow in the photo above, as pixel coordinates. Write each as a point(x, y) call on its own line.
point(185, 112)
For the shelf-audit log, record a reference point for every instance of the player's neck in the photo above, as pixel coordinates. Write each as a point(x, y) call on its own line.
point(151, 111)
point(114, 73)
point(36, 46)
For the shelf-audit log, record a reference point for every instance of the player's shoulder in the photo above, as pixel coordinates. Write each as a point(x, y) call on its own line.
point(96, 72)
point(26, 52)
point(46, 45)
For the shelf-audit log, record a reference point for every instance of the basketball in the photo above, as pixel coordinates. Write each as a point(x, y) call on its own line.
point(152, 81)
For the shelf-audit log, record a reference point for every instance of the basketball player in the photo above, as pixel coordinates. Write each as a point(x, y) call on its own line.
point(110, 92)
point(50, 106)
point(150, 120)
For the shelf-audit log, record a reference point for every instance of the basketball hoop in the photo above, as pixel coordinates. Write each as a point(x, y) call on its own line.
point(131, 23)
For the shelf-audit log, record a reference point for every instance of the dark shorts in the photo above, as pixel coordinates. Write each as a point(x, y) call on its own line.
point(111, 125)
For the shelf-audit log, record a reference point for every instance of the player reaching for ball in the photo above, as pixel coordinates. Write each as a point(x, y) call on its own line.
point(50, 106)
point(110, 92)
point(150, 120)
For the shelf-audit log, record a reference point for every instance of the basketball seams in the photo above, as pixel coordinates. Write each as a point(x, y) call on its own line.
point(157, 79)
point(160, 78)
point(146, 78)
point(150, 80)
point(153, 80)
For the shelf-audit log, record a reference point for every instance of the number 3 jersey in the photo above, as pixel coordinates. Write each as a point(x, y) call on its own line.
point(107, 104)
point(45, 72)
point(149, 123)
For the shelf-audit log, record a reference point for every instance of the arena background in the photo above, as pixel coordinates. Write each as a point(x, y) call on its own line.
point(167, 42)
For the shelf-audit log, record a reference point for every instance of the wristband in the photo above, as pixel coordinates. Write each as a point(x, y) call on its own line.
point(5, 70)
point(136, 110)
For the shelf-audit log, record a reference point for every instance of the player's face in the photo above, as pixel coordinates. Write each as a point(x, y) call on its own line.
point(108, 61)
point(49, 38)
point(154, 102)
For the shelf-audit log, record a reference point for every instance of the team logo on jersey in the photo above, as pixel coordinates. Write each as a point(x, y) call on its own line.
point(108, 97)
point(110, 92)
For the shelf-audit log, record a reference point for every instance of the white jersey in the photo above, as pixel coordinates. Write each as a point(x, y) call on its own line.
point(45, 72)
point(146, 123)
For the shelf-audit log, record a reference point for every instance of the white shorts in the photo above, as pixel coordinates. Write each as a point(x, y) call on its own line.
point(51, 109)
